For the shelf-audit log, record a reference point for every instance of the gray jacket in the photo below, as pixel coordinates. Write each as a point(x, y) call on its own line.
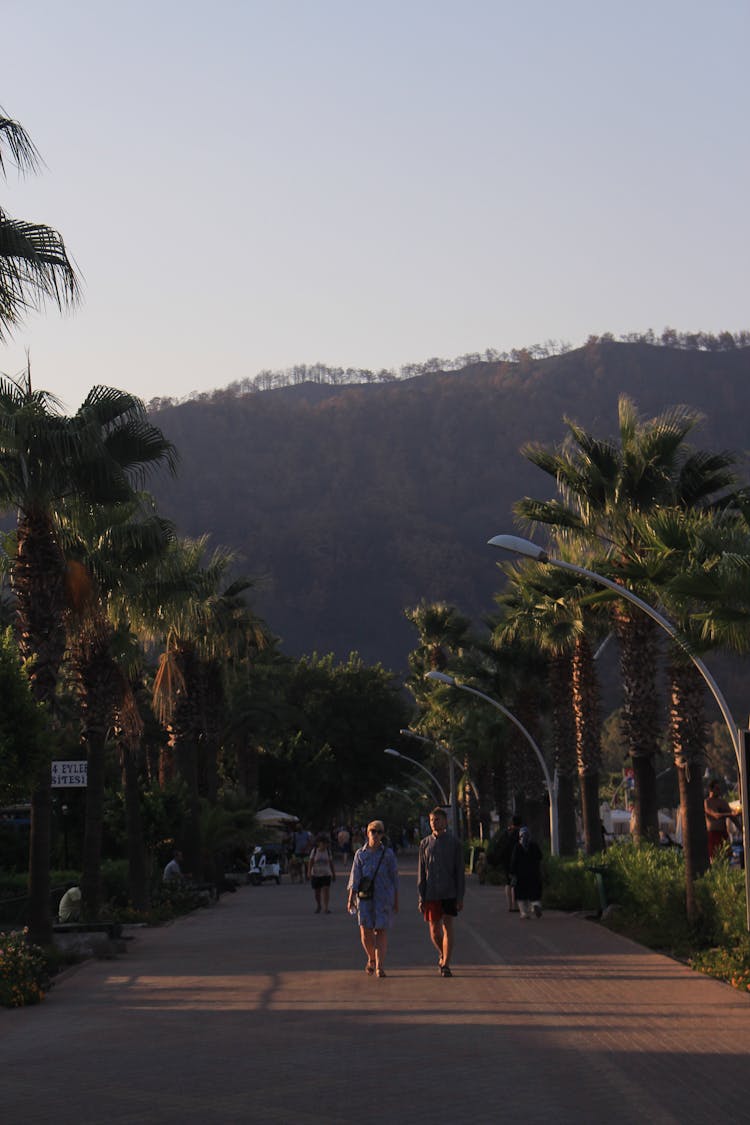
point(440, 873)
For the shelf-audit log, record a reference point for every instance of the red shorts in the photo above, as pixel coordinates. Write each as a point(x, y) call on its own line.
point(435, 908)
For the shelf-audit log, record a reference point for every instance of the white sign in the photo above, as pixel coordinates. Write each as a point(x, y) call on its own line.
point(69, 775)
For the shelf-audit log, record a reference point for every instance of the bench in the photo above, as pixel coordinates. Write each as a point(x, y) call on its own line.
point(111, 929)
point(89, 939)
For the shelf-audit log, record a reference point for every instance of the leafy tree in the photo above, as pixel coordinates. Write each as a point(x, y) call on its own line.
point(323, 747)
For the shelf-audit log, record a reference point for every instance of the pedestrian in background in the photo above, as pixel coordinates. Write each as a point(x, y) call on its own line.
point(526, 873)
point(440, 886)
point(499, 855)
point(321, 873)
point(717, 810)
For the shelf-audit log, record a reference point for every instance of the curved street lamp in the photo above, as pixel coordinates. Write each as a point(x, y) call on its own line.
point(550, 785)
point(409, 733)
point(397, 754)
point(529, 550)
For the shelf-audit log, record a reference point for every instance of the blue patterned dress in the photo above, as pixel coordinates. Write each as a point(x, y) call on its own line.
point(375, 913)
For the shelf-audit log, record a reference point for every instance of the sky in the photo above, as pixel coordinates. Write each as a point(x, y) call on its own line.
point(249, 185)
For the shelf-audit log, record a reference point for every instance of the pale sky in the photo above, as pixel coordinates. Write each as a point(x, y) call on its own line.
point(249, 185)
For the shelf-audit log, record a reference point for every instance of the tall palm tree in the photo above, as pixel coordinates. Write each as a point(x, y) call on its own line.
point(602, 485)
point(699, 566)
point(443, 633)
point(533, 612)
point(201, 626)
point(101, 453)
point(552, 610)
point(111, 551)
point(34, 264)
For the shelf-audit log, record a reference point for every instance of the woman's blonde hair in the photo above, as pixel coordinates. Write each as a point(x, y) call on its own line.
point(376, 824)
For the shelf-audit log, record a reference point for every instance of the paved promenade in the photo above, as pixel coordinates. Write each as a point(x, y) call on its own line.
point(258, 1010)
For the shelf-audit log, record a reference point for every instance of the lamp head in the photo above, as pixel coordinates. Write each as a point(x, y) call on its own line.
point(413, 734)
point(518, 546)
point(441, 678)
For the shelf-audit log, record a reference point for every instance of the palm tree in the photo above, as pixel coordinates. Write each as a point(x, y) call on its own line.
point(551, 609)
point(443, 633)
point(111, 550)
point(533, 612)
point(34, 264)
point(47, 458)
point(201, 626)
point(603, 484)
point(699, 563)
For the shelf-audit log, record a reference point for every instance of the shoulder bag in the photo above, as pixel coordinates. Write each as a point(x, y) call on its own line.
point(366, 888)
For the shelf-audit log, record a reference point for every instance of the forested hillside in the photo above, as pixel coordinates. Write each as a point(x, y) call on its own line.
point(352, 502)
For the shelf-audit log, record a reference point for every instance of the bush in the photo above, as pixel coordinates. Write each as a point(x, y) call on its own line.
point(568, 884)
point(648, 883)
point(721, 900)
point(24, 974)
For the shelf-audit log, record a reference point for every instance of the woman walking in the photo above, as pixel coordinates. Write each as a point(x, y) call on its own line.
point(526, 871)
point(321, 872)
point(373, 893)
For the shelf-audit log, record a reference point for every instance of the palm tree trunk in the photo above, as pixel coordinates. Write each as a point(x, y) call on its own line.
point(587, 721)
point(484, 783)
point(38, 579)
point(39, 916)
point(94, 670)
point(92, 836)
point(137, 868)
point(688, 729)
point(639, 648)
point(563, 729)
point(593, 840)
point(501, 792)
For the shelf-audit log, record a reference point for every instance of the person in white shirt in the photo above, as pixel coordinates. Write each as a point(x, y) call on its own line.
point(173, 870)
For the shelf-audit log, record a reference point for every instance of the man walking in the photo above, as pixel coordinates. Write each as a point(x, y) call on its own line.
point(440, 885)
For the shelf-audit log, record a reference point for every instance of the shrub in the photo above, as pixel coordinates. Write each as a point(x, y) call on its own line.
point(721, 899)
point(24, 975)
point(568, 884)
point(648, 882)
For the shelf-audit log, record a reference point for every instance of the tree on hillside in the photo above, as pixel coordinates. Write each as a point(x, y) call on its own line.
point(34, 264)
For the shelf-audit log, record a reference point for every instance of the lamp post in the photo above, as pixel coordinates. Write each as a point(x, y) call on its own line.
point(529, 550)
point(397, 754)
point(550, 785)
point(451, 773)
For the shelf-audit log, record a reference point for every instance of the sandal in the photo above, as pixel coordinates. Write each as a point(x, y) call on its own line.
point(370, 968)
point(381, 972)
point(445, 971)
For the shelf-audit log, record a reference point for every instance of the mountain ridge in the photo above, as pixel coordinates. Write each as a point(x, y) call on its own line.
point(356, 501)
